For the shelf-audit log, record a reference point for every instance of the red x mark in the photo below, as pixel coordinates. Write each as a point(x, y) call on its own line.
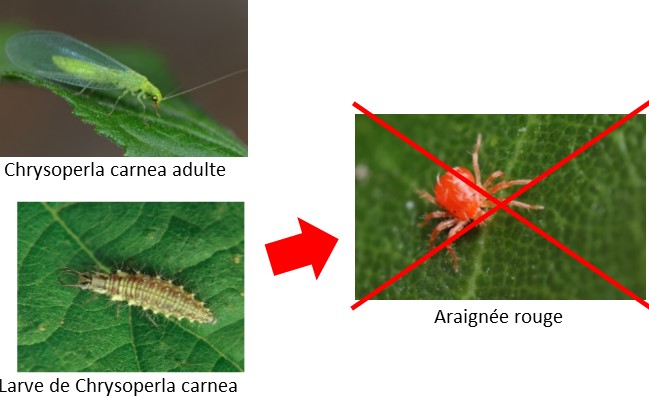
point(501, 205)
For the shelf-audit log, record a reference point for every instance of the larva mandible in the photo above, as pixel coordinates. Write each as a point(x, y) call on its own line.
point(149, 292)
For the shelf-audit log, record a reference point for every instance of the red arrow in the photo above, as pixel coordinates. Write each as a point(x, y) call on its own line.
point(312, 247)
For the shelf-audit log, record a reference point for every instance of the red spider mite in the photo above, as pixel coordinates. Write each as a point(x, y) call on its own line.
point(461, 203)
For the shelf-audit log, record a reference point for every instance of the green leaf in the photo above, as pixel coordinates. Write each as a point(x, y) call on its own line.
point(180, 130)
point(595, 205)
point(198, 245)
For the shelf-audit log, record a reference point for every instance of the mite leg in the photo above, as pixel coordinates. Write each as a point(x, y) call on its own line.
point(425, 195)
point(491, 178)
point(454, 231)
point(519, 204)
point(440, 227)
point(438, 214)
point(525, 206)
point(476, 166)
point(507, 184)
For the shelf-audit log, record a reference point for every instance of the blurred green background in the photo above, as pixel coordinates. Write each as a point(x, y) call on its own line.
point(595, 205)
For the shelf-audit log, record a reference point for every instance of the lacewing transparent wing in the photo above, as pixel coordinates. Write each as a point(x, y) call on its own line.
point(59, 57)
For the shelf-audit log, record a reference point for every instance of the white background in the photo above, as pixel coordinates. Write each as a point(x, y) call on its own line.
point(308, 63)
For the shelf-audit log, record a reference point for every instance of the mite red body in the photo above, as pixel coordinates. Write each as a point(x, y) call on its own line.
point(461, 203)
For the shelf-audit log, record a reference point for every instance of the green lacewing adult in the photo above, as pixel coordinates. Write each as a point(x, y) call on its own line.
point(58, 57)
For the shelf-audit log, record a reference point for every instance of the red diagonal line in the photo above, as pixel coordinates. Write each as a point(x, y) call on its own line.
point(576, 256)
point(424, 258)
point(503, 205)
point(428, 155)
point(575, 153)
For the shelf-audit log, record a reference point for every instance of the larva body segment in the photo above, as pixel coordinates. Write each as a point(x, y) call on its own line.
point(149, 292)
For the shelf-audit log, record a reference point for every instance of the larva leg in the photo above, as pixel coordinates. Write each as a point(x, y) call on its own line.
point(88, 299)
point(151, 319)
point(118, 311)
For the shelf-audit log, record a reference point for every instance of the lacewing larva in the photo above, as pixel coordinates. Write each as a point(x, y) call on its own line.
point(148, 292)
point(58, 57)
